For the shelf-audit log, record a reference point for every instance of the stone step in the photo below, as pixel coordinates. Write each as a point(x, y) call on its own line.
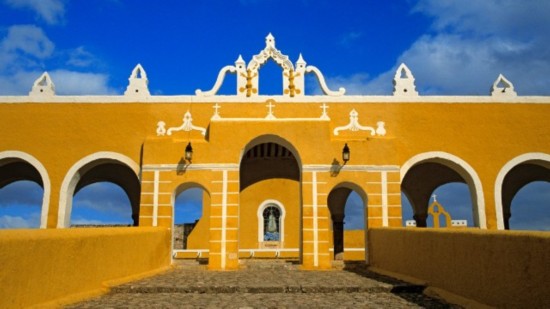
point(252, 264)
point(267, 288)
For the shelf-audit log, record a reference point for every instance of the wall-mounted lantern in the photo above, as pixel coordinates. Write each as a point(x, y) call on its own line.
point(188, 152)
point(345, 154)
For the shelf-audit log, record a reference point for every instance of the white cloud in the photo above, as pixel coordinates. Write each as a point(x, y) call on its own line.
point(51, 11)
point(469, 44)
point(80, 57)
point(24, 54)
point(17, 222)
point(26, 43)
point(78, 83)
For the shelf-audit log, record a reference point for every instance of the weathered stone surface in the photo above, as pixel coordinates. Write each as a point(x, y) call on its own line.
point(264, 287)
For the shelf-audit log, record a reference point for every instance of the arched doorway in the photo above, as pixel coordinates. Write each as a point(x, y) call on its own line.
point(424, 173)
point(522, 173)
point(102, 167)
point(190, 224)
point(347, 204)
point(270, 194)
point(24, 191)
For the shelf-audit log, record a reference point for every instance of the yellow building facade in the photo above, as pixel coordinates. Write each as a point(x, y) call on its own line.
point(273, 169)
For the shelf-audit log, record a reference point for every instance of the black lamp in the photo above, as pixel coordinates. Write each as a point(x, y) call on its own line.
point(188, 152)
point(345, 153)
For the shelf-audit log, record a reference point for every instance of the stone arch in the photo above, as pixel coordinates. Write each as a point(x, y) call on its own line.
point(100, 166)
point(260, 217)
point(23, 166)
point(202, 226)
point(442, 168)
point(514, 175)
point(336, 202)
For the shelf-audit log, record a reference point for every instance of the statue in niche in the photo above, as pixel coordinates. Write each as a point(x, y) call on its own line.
point(271, 224)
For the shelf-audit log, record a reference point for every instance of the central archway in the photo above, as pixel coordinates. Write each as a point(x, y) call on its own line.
point(270, 196)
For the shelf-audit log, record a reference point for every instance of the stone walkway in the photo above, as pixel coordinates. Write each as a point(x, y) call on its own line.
point(265, 285)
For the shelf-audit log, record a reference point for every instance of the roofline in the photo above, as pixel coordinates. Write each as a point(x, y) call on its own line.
point(101, 99)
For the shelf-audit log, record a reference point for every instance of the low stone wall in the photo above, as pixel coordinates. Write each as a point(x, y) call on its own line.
point(496, 268)
point(41, 266)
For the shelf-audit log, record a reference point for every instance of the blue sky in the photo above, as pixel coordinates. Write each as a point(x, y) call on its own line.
point(451, 47)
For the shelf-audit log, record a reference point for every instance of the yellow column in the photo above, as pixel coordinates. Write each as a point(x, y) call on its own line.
point(224, 222)
point(315, 225)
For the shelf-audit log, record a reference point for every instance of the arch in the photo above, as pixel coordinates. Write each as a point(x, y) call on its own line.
point(462, 169)
point(260, 217)
point(12, 156)
point(268, 156)
point(271, 138)
point(336, 203)
point(534, 158)
point(89, 170)
point(200, 225)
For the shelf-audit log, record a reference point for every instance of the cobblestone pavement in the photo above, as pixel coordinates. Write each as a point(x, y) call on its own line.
point(277, 287)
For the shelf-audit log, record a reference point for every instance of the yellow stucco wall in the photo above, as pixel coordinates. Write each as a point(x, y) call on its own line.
point(40, 266)
point(497, 268)
point(484, 135)
point(285, 191)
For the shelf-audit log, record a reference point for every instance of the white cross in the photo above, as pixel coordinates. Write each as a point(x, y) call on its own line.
point(270, 106)
point(216, 108)
point(324, 107)
point(435, 197)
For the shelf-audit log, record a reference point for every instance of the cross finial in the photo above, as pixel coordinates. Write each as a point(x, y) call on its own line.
point(270, 107)
point(216, 115)
point(434, 197)
point(324, 115)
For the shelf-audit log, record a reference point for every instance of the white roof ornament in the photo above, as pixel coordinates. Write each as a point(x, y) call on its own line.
point(43, 86)
point(138, 83)
point(248, 75)
point(502, 87)
point(403, 82)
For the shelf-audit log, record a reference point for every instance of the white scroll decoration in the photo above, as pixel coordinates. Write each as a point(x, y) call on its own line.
point(219, 82)
point(248, 75)
point(186, 126)
point(354, 126)
point(323, 84)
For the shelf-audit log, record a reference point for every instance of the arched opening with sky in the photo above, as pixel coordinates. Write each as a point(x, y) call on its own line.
point(20, 204)
point(106, 178)
point(101, 204)
point(190, 231)
point(522, 192)
point(347, 204)
point(453, 196)
point(447, 175)
point(24, 191)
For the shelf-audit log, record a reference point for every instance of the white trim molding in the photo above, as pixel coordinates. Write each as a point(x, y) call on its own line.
point(73, 177)
point(465, 170)
point(46, 185)
point(524, 158)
